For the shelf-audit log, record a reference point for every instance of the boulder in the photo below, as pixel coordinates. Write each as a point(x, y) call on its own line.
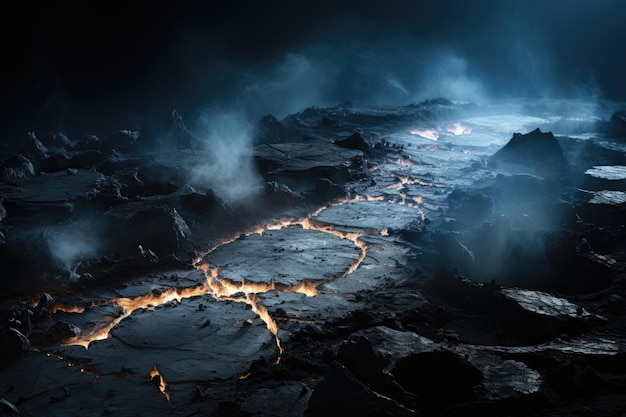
point(355, 141)
point(177, 135)
point(536, 150)
point(617, 124)
point(13, 343)
point(17, 166)
point(44, 306)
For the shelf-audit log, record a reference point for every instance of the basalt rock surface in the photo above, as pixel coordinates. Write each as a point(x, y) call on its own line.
point(396, 261)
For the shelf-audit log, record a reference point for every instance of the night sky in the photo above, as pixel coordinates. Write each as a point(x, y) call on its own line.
point(94, 69)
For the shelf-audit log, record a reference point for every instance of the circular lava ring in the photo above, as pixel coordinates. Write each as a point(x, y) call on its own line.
point(286, 256)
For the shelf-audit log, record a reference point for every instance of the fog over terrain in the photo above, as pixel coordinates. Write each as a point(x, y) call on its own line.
point(98, 68)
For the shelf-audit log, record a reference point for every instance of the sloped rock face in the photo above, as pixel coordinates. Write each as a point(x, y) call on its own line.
point(157, 228)
point(535, 150)
point(355, 141)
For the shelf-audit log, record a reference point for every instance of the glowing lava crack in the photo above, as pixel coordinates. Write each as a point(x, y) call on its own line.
point(224, 289)
point(292, 255)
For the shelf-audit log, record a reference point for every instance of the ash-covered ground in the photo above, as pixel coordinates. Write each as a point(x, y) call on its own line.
point(434, 259)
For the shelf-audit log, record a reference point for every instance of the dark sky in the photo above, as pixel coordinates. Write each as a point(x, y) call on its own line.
point(99, 68)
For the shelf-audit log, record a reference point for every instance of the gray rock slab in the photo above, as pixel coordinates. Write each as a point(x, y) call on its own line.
point(56, 187)
point(504, 378)
point(287, 256)
point(608, 197)
point(370, 215)
point(290, 157)
point(544, 304)
point(612, 172)
point(197, 339)
point(49, 386)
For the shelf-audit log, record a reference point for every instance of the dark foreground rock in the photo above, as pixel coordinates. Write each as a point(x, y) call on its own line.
point(537, 150)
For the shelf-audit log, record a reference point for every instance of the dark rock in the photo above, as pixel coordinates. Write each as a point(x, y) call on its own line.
point(148, 255)
point(355, 141)
point(8, 409)
point(3, 210)
point(230, 409)
point(341, 393)
point(270, 130)
point(472, 207)
point(177, 135)
point(326, 189)
point(535, 150)
point(514, 256)
point(17, 166)
point(86, 159)
point(615, 303)
point(12, 344)
point(121, 140)
point(453, 253)
point(437, 376)
point(617, 124)
point(154, 227)
point(151, 179)
point(44, 306)
point(281, 195)
point(33, 146)
point(57, 140)
point(329, 122)
point(62, 331)
point(585, 272)
point(359, 357)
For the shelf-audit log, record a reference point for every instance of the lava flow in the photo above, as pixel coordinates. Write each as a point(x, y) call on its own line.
point(454, 129)
point(223, 289)
point(156, 377)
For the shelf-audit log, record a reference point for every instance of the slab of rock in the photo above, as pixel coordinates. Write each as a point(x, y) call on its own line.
point(287, 256)
point(312, 160)
point(426, 368)
point(198, 339)
point(370, 215)
point(609, 197)
point(608, 172)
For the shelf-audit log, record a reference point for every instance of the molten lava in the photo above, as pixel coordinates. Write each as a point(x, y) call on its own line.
point(222, 289)
point(156, 377)
point(454, 129)
point(432, 134)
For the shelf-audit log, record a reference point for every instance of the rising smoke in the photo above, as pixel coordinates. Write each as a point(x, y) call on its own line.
point(229, 167)
point(70, 244)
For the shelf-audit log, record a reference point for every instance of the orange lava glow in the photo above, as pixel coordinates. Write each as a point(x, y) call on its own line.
point(67, 309)
point(407, 180)
point(454, 129)
point(405, 162)
point(129, 305)
point(432, 134)
point(222, 289)
point(162, 384)
point(458, 129)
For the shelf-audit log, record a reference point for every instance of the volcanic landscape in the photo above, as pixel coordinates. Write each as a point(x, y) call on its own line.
point(433, 259)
